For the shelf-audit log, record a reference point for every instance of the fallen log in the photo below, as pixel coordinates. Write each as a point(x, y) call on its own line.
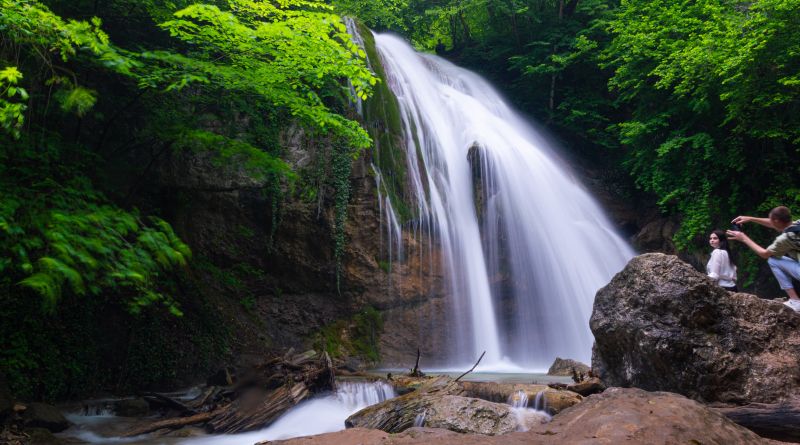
point(253, 412)
point(777, 421)
point(204, 397)
point(260, 395)
point(169, 402)
point(174, 423)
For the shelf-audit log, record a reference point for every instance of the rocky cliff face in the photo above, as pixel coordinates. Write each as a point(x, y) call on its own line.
point(660, 325)
point(277, 283)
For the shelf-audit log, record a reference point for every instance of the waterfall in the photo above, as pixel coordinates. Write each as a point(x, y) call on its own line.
point(525, 246)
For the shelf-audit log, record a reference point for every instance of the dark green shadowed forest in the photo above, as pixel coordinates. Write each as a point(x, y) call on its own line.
point(690, 106)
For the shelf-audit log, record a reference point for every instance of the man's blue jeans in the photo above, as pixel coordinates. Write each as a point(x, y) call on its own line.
point(784, 269)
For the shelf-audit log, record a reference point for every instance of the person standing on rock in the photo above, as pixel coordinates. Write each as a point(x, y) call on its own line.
point(720, 267)
point(783, 255)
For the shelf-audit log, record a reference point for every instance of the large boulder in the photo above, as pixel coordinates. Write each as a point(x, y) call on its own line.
point(630, 415)
point(661, 325)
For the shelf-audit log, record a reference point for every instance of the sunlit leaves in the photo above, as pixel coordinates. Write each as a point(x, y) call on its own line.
point(11, 109)
point(78, 100)
point(287, 53)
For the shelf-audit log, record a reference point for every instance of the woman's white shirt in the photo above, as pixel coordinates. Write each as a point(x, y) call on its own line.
point(719, 269)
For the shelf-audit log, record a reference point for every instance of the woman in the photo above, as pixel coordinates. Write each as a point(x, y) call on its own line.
point(720, 267)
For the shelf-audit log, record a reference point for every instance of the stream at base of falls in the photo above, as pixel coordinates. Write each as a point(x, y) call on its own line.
point(95, 423)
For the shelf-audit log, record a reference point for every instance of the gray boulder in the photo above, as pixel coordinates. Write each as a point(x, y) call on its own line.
point(454, 413)
point(564, 366)
point(660, 325)
point(551, 400)
point(438, 404)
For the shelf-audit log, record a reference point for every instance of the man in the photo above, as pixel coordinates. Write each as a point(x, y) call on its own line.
point(783, 255)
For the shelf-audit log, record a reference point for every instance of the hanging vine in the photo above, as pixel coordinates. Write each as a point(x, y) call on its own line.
point(341, 159)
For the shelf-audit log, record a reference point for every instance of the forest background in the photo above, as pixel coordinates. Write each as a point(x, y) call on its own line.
point(692, 106)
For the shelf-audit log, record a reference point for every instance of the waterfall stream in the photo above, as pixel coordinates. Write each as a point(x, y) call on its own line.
point(525, 246)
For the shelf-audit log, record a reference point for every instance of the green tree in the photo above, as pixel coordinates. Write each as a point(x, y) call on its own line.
point(713, 97)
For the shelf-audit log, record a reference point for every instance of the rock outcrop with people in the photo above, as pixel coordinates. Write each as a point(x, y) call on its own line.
point(660, 325)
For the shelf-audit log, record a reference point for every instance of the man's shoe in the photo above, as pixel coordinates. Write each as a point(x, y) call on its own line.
point(793, 303)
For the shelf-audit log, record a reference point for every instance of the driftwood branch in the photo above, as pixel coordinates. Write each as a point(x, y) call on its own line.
point(473, 367)
point(416, 372)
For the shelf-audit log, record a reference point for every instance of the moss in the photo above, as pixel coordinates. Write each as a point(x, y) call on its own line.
point(357, 336)
point(384, 123)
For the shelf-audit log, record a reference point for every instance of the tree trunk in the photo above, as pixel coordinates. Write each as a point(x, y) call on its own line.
point(778, 421)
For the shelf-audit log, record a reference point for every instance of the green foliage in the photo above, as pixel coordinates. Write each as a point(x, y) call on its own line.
point(11, 111)
point(78, 100)
point(291, 54)
point(230, 154)
point(358, 336)
point(60, 234)
point(709, 85)
point(380, 15)
point(383, 121)
point(341, 164)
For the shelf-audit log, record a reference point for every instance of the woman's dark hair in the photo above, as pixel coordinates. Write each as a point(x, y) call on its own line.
point(723, 244)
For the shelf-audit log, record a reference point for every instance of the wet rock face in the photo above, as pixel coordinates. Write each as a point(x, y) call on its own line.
point(226, 216)
point(661, 325)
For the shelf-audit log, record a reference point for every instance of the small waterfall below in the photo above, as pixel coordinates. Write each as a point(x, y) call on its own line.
point(525, 247)
point(540, 402)
point(322, 414)
point(316, 416)
point(525, 416)
point(518, 400)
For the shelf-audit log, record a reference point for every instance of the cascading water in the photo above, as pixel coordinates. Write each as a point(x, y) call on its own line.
point(315, 416)
point(525, 246)
point(319, 415)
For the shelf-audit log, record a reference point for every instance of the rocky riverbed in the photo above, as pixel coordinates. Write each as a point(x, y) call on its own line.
point(676, 360)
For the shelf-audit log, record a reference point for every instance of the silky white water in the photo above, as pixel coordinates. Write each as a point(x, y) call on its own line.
point(523, 261)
